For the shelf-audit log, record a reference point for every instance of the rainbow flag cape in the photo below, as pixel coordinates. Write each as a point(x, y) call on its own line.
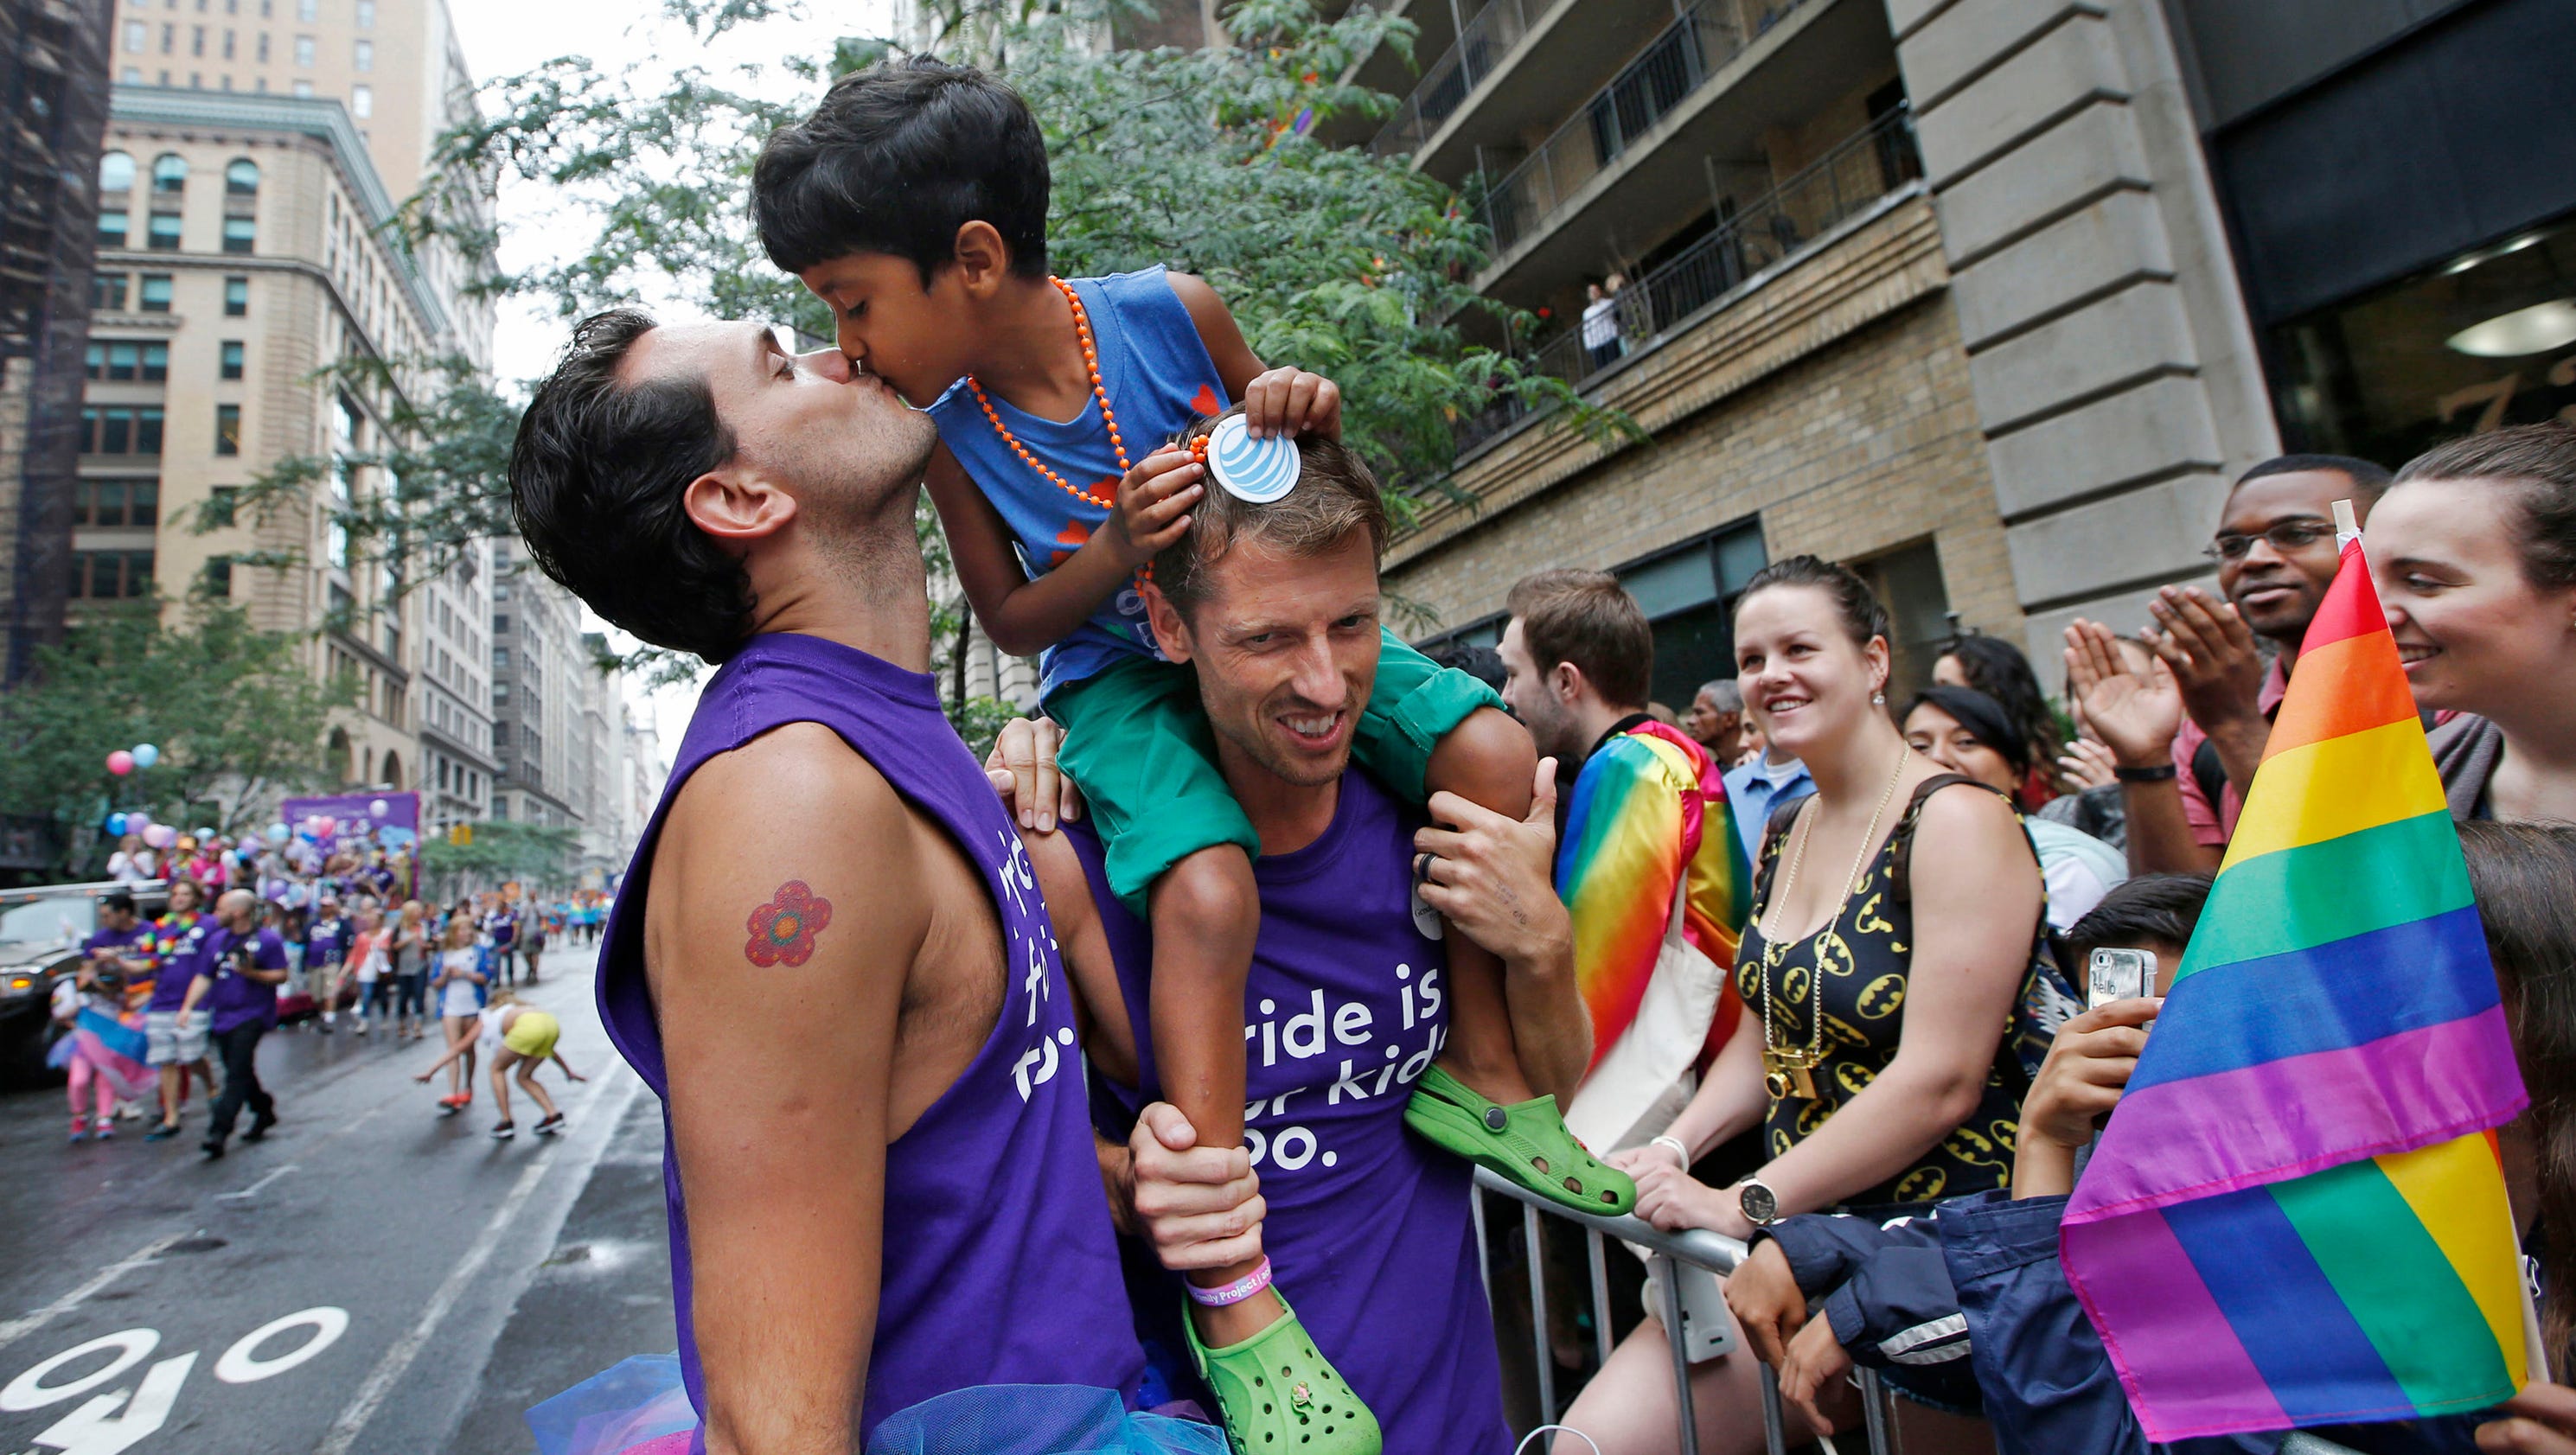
point(2297, 1216)
point(1645, 792)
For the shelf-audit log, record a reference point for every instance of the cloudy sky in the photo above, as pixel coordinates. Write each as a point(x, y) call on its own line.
point(505, 37)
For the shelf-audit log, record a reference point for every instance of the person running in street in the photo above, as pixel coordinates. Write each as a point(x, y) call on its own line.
point(459, 985)
point(174, 1048)
point(239, 968)
point(521, 1038)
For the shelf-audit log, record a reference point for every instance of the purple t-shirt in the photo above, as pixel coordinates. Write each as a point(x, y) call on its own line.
point(237, 999)
point(181, 950)
point(1000, 1263)
point(1369, 1229)
point(327, 942)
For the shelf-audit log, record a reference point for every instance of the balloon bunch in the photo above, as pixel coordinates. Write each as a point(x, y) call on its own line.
point(125, 760)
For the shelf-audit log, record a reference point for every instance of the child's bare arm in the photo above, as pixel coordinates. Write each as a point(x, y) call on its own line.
point(1024, 616)
point(440, 1064)
point(1286, 400)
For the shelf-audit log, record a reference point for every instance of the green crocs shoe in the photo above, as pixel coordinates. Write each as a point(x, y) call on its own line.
point(1528, 1144)
point(1280, 1397)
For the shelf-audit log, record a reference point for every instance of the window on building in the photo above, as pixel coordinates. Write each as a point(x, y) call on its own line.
point(1908, 581)
point(241, 178)
point(138, 36)
point(366, 14)
point(197, 43)
point(155, 293)
point(240, 233)
point(228, 55)
point(500, 694)
point(107, 292)
point(112, 225)
point(119, 430)
point(228, 429)
point(163, 233)
point(218, 577)
point(1688, 594)
point(116, 172)
point(130, 76)
point(263, 54)
point(500, 623)
point(267, 9)
point(169, 42)
point(308, 10)
point(117, 504)
point(362, 101)
point(232, 358)
point(304, 51)
point(111, 575)
point(362, 55)
point(221, 504)
point(236, 297)
point(303, 88)
point(169, 173)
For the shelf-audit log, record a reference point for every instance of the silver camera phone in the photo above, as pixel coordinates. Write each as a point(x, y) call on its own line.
point(2118, 975)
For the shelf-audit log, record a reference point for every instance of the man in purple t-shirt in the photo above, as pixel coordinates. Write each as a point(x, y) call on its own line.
point(1349, 999)
point(238, 969)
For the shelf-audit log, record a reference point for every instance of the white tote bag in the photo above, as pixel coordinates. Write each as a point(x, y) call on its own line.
point(1651, 1071)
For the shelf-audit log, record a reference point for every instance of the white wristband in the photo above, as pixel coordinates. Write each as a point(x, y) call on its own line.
point(1678, 1149)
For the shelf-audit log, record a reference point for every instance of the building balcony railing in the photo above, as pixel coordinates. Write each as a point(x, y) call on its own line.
point(1449, 81)
point(1861, 168)
point(1696, 46)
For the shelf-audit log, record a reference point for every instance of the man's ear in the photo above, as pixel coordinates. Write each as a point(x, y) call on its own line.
point(1565, 680)
point(736, 506)
point(982, 259)
point(1170, 631)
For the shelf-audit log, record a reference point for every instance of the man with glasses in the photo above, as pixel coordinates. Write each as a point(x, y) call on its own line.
point(2188, 743)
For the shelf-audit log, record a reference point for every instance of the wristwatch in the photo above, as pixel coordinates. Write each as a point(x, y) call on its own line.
point(1759, 1204)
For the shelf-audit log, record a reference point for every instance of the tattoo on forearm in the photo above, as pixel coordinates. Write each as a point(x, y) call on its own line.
point(783, 930)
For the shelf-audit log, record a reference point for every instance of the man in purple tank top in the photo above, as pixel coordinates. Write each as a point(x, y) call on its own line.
point(829, 957)
point(1365, 1217)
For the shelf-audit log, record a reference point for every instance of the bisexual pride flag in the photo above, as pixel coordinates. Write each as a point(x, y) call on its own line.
point(2297, 1217)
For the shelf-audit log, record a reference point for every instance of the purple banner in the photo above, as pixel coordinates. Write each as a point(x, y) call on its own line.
point(359, 823)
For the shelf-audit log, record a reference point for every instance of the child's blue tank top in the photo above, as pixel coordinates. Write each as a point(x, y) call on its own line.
point(1160, 378)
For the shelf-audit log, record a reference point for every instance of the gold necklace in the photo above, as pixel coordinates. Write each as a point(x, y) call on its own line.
point(1789, 1070)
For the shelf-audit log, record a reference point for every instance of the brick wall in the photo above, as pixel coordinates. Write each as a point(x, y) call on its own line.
point(1832, 400)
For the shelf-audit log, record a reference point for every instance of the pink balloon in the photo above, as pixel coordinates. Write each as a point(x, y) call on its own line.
point(120, 762)
point(160, 836)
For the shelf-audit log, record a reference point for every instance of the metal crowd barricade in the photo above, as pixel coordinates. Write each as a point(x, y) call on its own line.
point(1665, 1253)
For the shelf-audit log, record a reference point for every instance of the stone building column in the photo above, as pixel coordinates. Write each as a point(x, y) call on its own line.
point(2115, 373)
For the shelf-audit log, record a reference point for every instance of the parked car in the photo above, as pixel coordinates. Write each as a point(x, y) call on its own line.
point(41, 930)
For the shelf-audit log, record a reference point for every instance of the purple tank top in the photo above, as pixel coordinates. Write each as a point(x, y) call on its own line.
point(1001, 1266)
point(1369, 1228)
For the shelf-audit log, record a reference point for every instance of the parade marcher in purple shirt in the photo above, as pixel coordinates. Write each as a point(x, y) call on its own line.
point(238, 969)
point(1348, 1005)
point(177, 1051)
point(884, 1198)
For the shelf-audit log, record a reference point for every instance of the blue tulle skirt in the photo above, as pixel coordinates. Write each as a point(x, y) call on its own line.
point(641, 1408)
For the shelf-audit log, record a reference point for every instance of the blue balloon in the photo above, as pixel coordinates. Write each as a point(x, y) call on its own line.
point(116, 824)
point(145, 755)
point(277, 832)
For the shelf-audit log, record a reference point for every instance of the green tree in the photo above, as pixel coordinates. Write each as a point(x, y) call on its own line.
point(237, 714)
point(536, 854)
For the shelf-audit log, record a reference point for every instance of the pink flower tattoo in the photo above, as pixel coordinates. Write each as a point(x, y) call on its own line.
point(783, 930)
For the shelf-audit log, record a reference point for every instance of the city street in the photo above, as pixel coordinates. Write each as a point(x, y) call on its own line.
point(373, 1277)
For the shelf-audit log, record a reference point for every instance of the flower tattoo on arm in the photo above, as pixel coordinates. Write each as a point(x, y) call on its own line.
point(783, 930)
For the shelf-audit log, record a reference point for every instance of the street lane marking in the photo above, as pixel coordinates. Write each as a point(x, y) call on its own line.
point(397, 1360)
point(256, 1186)
point(25, 1324)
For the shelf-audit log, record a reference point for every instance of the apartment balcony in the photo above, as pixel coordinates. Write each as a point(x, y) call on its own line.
point(1756, 243)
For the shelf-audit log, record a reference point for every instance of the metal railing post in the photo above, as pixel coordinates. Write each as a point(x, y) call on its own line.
point(1600, 1248)
point(1775, 1438)
point(1668, 1290)
point(1873, 1410)
point(1540, 1345)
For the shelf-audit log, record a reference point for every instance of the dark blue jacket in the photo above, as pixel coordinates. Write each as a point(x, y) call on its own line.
point(1980, 1278)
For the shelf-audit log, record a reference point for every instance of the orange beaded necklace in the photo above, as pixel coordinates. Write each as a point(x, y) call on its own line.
point(1108, 416)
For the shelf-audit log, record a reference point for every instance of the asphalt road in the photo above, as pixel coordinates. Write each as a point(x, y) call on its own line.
point(374, 1279)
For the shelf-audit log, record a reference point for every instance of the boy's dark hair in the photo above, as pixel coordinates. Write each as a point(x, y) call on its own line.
point(118, 900)
point(1335, 495)
point(596, 480)
point(2368, 478)
point(2151, 909)
point(1589, 619)
point(1480, 662)
point(895, 160)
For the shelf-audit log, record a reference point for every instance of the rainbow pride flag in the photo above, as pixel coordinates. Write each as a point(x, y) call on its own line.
point(1645, 792)
point(2297, 1216)
point(115, 1046)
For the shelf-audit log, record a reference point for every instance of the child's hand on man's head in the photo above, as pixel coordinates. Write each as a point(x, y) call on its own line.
point(1153, 505)
point(1291, 402)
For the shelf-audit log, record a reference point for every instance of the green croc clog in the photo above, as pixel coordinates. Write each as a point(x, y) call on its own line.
point(1278, 1396)
point(1527, 1143)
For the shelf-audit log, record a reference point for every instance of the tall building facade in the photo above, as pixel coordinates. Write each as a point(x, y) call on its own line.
point(1989, 300)
point(53, 76)
point(537, 691)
